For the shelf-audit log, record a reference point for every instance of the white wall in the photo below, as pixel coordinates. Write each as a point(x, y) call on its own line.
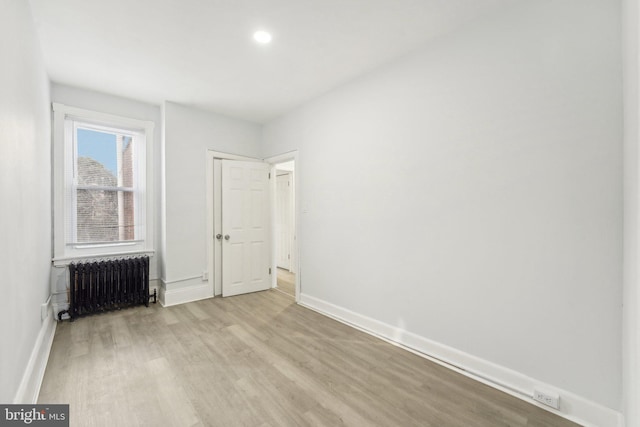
point(25, 191)
point(631, 294)
point(119, 106)
point(471, 193)
point(188, 134)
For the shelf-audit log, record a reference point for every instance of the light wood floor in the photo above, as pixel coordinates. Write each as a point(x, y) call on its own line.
point(258, 360)
point(287, 282)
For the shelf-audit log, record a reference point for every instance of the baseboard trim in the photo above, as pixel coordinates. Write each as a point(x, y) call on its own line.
point(169, 297)
point(29, 388)
point(572, 407)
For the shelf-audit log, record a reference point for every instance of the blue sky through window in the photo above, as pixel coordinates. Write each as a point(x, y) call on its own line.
point(99, 146)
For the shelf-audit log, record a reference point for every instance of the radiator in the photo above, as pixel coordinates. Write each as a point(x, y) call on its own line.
point(104, 285)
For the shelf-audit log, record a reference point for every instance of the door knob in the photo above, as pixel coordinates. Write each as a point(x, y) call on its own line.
point(218, 236)
point(227, 237)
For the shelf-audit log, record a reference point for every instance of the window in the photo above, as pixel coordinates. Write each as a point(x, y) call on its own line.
point(102, 200)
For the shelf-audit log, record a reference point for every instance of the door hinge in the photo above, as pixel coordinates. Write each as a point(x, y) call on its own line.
point(269, 270)
point(269, 175)
point(289, 256)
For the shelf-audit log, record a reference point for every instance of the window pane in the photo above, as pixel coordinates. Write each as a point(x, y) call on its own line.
point(104, 159)
point(105, 216)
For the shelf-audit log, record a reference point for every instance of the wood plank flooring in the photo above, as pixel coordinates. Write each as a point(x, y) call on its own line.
point(258, 360)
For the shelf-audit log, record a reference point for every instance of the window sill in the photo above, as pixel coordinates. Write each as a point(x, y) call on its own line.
point(124, 244)
point(64, 261)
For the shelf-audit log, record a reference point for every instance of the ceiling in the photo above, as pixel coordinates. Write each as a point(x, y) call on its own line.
point(201, 53)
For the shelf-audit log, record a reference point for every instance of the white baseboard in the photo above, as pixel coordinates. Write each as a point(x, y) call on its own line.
point(195, 292)
point(34, 373)
point(573, 407)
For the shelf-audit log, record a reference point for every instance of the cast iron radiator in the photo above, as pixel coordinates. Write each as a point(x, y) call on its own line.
point(104, 285)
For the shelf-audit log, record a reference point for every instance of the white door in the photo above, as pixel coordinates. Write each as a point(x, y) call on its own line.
point(245, 227)
point(283, 221)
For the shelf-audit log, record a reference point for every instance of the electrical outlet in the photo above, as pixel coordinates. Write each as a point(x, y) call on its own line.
point(205, 276)
point(547, 398)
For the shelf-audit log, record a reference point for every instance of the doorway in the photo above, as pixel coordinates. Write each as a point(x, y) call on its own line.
point(216, 235)
point(284, 235)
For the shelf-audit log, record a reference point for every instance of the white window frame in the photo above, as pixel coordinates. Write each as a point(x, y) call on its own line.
point(63, 165)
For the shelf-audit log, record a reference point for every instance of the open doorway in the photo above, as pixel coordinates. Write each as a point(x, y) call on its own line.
point(217, 235)
point(285, 230)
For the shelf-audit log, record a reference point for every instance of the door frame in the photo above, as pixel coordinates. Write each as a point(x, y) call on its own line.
point(295, 264)
point(210, 214)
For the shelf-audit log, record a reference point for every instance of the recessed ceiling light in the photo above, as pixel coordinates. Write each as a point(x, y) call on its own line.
point(262, 37)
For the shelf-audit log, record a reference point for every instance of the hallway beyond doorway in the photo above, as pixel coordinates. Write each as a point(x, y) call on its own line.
point(287, 282)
